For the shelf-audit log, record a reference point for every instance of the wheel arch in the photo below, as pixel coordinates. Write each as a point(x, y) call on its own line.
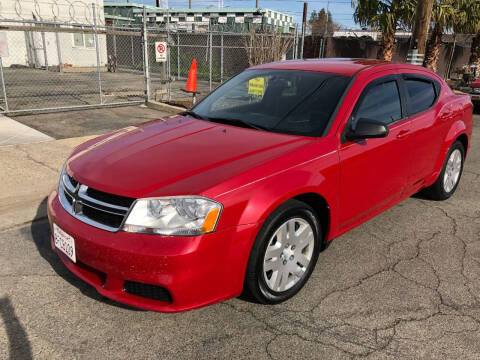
point(458, 131)
point(321, 207)
point(463, 138)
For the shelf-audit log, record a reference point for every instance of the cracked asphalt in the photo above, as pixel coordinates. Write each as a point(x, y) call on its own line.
point(404, 285)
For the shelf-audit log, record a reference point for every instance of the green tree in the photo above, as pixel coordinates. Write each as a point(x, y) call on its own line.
point(317, 23)
point(385, 16)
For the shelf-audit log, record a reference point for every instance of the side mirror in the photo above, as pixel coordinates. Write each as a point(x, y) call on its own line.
point(367, 129)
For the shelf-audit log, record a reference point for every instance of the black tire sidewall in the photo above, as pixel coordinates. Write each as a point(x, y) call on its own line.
point(289, 210)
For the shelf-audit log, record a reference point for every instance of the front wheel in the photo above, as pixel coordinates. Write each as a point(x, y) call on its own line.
point(284, 253)
point(449, 177)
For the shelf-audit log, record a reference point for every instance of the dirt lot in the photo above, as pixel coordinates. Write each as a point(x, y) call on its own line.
point(403, 285)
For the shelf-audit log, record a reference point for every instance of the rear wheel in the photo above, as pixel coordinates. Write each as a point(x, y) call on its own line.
point(449, 177)
point(284, 253)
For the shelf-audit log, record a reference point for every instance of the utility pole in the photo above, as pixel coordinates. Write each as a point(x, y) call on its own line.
point(423, 15)
point(189, 4)
point(256, 4)
point(304, 25)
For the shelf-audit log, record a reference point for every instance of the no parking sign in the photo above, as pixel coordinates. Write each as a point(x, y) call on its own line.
point(161, 51)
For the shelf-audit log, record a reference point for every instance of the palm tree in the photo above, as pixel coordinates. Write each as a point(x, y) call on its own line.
point(384, 16)
point(444, 16)
point(475, 52)
point(473, 14)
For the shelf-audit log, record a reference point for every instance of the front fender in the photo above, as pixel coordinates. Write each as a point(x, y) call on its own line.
point(252, 203)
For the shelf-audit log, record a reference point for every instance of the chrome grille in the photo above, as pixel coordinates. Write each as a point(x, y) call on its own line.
point(102, 210)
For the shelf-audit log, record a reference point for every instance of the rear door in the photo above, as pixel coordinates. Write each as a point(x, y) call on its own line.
point(374, 171)
point(428, 124)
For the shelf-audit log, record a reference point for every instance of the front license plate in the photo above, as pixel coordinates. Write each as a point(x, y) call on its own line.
point(64, 242)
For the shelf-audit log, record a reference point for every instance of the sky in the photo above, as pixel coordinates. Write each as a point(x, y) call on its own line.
point(341, 9)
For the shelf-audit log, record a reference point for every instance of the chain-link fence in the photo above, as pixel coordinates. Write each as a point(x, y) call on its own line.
point(219, 55)
point(63, 65)
point(53, 67)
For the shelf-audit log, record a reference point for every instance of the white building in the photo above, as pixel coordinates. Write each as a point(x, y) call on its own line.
point(72, 49)
point(374, 35)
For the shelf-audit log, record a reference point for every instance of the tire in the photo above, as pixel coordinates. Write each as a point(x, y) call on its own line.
point(442, 188)
point(268, 279)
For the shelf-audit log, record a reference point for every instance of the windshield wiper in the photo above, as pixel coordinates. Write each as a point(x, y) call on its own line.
point(237, 121)
point(193, 114)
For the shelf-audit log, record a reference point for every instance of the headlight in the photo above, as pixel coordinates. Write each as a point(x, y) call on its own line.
point(476, 90)
point(182, 215)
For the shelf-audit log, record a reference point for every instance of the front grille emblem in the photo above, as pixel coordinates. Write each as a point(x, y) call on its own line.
point(77, 206)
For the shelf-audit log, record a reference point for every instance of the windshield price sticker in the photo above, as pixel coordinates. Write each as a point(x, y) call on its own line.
point(256, 86)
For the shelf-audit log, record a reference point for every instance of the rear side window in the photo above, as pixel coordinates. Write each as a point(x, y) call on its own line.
point(421, 95)
point(381, 103)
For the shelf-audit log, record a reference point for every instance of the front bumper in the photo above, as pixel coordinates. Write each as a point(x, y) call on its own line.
point(196, 271)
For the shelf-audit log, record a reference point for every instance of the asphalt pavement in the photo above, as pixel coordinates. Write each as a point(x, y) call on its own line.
point(76, 123)
point(404, 285)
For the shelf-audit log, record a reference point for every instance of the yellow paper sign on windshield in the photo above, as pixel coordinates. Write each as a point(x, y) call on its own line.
point(256, 86)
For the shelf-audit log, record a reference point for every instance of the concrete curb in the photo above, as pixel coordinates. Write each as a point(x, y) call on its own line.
point(13, 133)
point(163, 107)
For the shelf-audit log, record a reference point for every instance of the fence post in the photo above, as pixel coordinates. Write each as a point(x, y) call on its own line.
point(296, 41)
point(131, 43)
point(210, 62)
point(115, 46)
point(221, 58)
point(97, 50)
point(294, 56)
point(178, 56)
point(44, 50)
point(4, 88)
point(145, 54)
point(59, 50)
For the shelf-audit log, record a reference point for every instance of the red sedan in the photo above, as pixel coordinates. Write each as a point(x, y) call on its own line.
point(242, 192)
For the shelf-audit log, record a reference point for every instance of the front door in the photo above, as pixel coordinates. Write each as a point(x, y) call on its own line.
point(374, 171)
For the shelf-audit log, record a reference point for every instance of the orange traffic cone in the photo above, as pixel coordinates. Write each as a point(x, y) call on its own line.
point(192, 78)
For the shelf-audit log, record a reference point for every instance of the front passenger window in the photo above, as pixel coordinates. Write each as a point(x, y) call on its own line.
point(381, 103)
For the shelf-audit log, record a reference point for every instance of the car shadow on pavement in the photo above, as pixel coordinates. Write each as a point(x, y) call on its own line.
point(19, 345)
point(40, 230)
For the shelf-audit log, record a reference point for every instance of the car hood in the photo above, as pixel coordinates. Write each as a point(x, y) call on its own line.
point(176, 155)
point(476, 83)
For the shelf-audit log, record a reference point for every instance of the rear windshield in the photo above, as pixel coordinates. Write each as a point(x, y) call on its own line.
point(284, 101)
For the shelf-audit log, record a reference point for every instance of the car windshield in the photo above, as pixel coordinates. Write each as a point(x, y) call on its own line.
point(284, 101)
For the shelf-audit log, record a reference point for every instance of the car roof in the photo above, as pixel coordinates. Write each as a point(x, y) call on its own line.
point(348, 67)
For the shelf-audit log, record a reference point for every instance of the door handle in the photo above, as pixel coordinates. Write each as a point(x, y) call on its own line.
point(403, 134)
